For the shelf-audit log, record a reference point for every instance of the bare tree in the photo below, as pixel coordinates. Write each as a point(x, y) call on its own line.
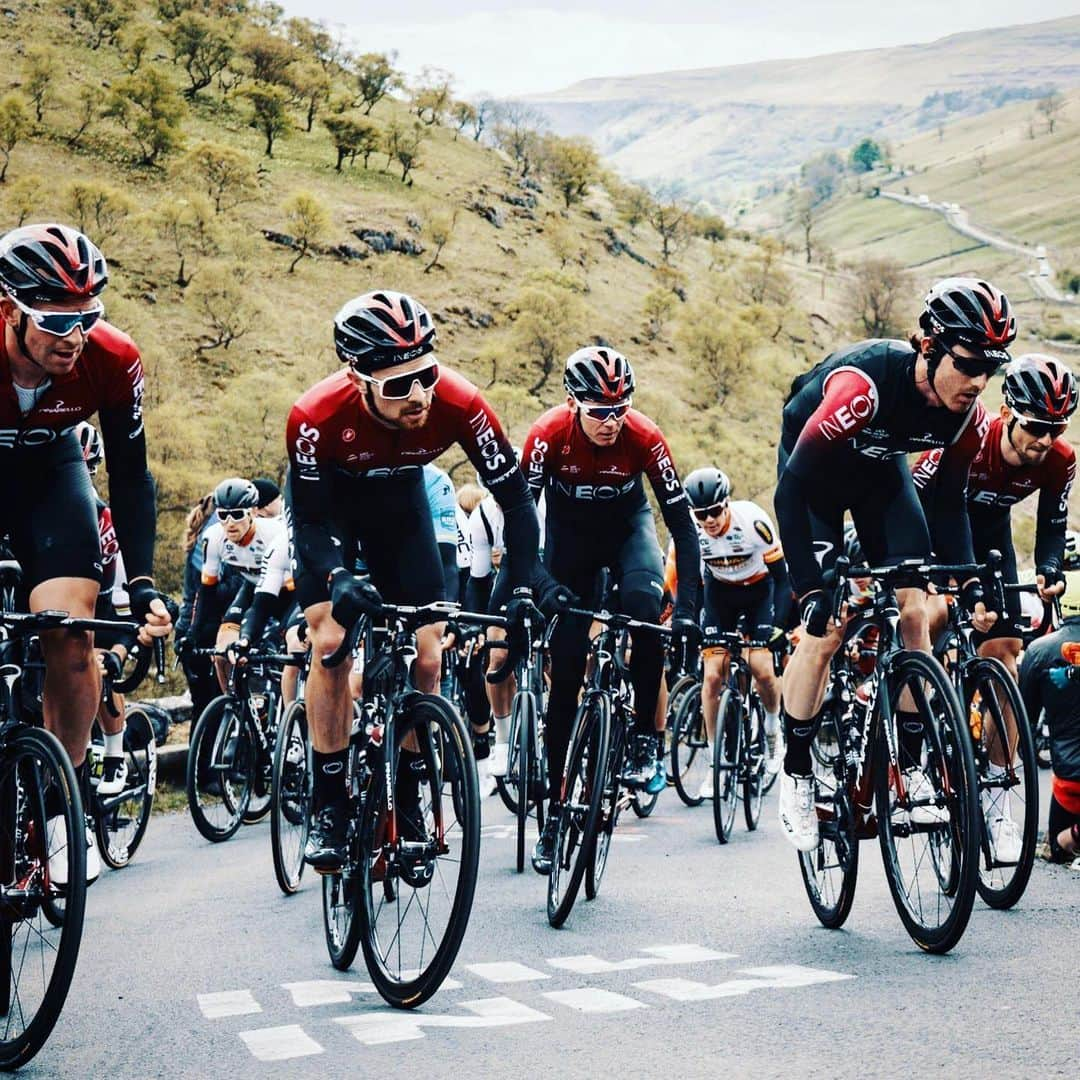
point(1049, 107)
point(878, 288)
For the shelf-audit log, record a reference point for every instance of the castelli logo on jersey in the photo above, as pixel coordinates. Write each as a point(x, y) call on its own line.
point(348, 435)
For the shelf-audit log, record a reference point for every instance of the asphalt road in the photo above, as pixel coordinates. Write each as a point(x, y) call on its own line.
point(696, 960)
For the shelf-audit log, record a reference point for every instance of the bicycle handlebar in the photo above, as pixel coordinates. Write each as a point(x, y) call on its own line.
point(618, 621)
point(413, 615)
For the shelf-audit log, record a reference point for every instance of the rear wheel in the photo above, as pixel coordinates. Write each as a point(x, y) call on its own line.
point(754, 755)
point(40, 808)
point(220, 767)
point(928, 839)
point(523, 725)
point(290, 797)
point(727, 749)
point(1009, 793)
point(690, 756)
point(580, 801)
point(609, 813)
point(120, 820)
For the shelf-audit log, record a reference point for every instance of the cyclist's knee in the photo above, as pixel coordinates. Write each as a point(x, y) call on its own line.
point(914, 618)
point(641, 596)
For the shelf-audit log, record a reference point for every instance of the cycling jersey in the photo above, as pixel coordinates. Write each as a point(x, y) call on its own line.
point(107, 379)
point(342, 460)
point(847, 425)
point(994, 486)
point(464, 543)
point(247, 555)
point(486, 534)
point(742, 553)
point(272, 593)
point(440, 495)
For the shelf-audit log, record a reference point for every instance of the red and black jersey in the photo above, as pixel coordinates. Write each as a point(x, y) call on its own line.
point(331, 437)
point(589, 483)
point(994, 486)
point(107, 379)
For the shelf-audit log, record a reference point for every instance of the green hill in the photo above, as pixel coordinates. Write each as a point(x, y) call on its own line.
point(521, 281)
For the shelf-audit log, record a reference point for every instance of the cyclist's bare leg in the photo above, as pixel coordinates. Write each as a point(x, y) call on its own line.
point(765, 679)
point(661, 707)
point(714, 679)
point(226, 635)
point(72, 680)
point(294, 647)
point(427, 668)
point(500, 695)
point(1007, 650)
point(329, 706)
point(937, 612)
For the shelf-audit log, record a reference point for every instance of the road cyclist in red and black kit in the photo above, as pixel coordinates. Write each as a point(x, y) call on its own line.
point(588, 457)
point(848, 425)
point(357, 443)
point(60, 363)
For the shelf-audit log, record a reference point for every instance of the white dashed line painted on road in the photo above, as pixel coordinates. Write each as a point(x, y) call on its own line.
point(228, 1003)
point(375, 1028)
point(781, 977)
point(591, 999)
point(508, 971)
point(587, 964)
point(325, 992)
point(280, 1043)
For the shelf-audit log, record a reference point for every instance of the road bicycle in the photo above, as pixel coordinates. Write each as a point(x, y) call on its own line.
point(594, 789)
point(406, 890)
point(291, 788)
point(865, 756)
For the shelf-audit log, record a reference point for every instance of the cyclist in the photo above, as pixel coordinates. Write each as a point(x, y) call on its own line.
point(1024, 451)
point(60, 363)
point(847, 426)
point(1048, 681)
point(356, 443)
point(245, 542)
point(588, 456)
point(744, 572)
point(270, 504)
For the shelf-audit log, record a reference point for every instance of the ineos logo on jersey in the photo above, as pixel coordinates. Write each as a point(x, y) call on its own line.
point(10, 437)
point(305, 449)
point(847, 416)
point(593, 492)
point(667, 467)
point(487, 441)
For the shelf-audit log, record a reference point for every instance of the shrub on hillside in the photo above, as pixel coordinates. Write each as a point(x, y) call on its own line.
point(150, 111)
point(14, 125)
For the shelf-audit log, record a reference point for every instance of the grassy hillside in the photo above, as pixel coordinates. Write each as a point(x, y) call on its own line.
point(546, 279)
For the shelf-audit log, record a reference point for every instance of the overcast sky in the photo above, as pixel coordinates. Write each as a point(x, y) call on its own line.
point(505, 48)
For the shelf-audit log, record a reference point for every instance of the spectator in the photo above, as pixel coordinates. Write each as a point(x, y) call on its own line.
point(1050, 681)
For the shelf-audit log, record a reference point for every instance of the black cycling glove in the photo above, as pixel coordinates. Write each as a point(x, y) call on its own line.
point(971, 594)
point(351, 597)
point(141, 594)
point(815, 609)
point(685, 639)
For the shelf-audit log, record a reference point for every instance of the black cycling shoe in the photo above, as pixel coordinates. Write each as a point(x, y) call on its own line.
point(481, 743)
point(640, 765)
point(415, 855)
point(543, 854)
point(327, 841)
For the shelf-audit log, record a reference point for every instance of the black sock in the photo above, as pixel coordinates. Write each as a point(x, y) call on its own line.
point(910, 726)
point(799, 735)
point(660, 746)
point(329, 775)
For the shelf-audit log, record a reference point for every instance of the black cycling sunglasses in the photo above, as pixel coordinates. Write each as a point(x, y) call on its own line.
point(61, 323)
point(1037, 429)
point(399, 387)
point(973, 366)
point(236, 514)
point(715, 511)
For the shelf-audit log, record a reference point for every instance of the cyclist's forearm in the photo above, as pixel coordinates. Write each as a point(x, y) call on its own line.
point(793, 519)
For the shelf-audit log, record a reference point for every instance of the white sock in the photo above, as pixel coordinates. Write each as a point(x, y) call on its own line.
point(114, 744)
point(502, 727)
point(772, 723)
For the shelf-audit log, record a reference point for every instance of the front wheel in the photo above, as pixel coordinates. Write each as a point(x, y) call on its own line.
point(220, 770)
point(927, 805)
point(754, 755)
point(290, 798)
point(120, 820)
point(690, 757)
point(727, 750)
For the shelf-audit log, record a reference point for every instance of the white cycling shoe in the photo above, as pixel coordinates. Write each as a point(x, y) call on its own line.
point(113, 777)
point(797, 811)
point(774, 748)
point(500, 752)
point(919, 787)
point(1005, 839)
point(706, 789)
point(58, 861)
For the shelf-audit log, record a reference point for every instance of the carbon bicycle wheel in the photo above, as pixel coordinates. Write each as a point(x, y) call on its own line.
point(609, 808)
point(120, 820)
point(928, 840)
point(290, 798)
point(263, 776)
point(727, 749)
point(581, 796)
point(40, 807)
point(754, 754)
point(523, 725)
point(690, 755)
point(831, 870)
point(419, 854)
point(1008, 789)
point(220, 767)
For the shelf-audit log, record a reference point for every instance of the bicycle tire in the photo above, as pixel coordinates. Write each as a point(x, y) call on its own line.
point(206, 768)
point(830, 872)
point(580, 802)
point(446, 751)
point(523, 722)
point(688, 743)
point(290, 798)
point(754, 755)
point(642, 803)
point(32, 759)
point(727, 748)
point(1005, 894)
point(949, 755)
point(609, 811)
point(261, 804)
point(121, 825)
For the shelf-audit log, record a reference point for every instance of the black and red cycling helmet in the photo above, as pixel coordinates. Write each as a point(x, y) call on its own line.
point(381, 329)
point(1041, 387)
point(970, 312)
point(597, 373)
point(48, 264)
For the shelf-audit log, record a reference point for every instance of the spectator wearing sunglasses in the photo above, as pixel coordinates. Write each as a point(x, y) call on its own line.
point(357, 443)
point(61, 363)
point(1024, 452)
point(848, 425)
point(588, 457)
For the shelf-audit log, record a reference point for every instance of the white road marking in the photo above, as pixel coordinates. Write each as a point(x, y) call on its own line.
point(587, 964)
point(228, 1003)
point(386, 1027)
point(325, 992)
point(780, 977)
point(280, 1043)
point(509, 971)
point(591, 999)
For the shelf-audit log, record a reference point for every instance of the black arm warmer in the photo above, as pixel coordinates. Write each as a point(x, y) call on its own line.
point(1050, 530)
point(311, 505)
point(258, 614)
point(521, 529)
point(793, 520)
point(687, 556)
point(451, 580)
point(778, 573)
point(131, 491)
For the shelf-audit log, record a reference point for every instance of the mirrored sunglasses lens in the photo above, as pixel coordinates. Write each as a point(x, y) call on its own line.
point(400, 386)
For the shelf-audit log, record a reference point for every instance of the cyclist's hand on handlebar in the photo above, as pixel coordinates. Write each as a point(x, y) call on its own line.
point(150, 608)
point(816, 613)
point(110, 663)
point(1051, 583)
point(555, 596)
point(685, 639)
point(237, 652)
point(973, 599)
point(520, 613)
point(351, 597)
